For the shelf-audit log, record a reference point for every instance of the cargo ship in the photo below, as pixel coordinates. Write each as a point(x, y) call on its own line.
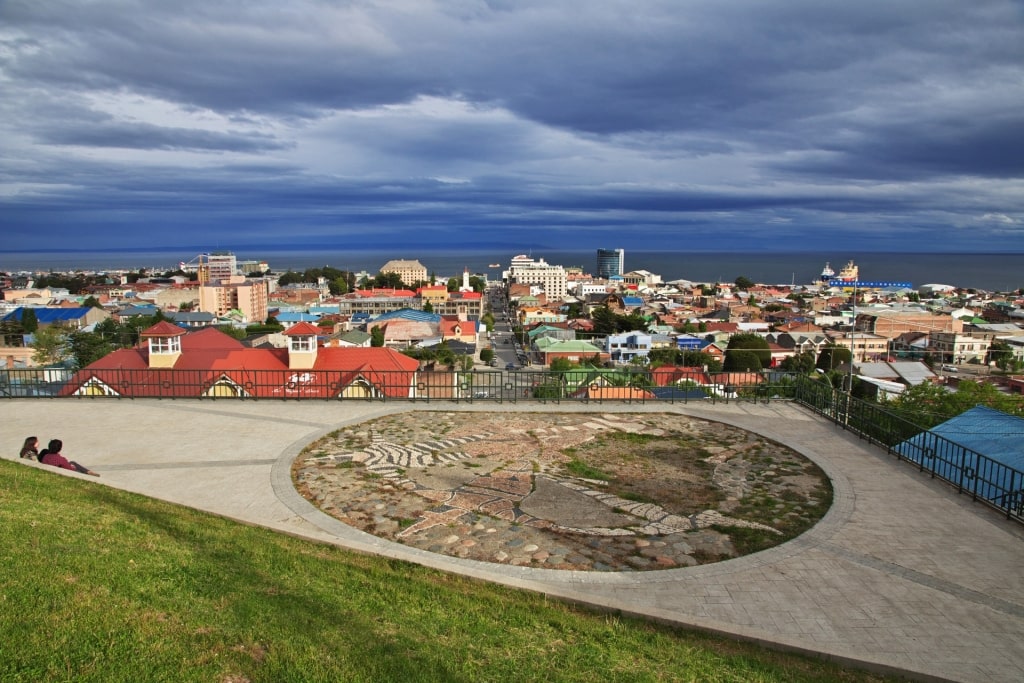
point(849, 273)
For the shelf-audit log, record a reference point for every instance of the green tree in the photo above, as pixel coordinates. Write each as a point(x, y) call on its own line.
point(388, 281)
point(338, 285)
point(1001, 353)
point(453, 284)
point(744, 283)
point(833, 357)
point(92, 302)
point(87, 348)
point(604, 320)
point(51, 346)
point(428, 307)
point(927, 404)
point(560, 365)
point(289, 278)
point(802, 363)
point(377, 336)
point(232, 331)
point(487, 355)
point(745, 342)
point(742, 360)
point(29, 321)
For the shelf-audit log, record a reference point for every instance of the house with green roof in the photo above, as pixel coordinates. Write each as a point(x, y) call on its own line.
point(574, 351)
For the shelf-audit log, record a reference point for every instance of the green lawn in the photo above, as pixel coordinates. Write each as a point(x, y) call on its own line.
point(101, 585)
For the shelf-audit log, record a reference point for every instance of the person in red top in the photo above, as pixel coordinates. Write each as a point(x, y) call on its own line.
point(51, 455)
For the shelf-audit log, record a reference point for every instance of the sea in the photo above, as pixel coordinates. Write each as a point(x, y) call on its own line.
point(990, 272)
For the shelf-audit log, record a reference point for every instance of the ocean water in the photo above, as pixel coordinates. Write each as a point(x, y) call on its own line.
point(993, 272)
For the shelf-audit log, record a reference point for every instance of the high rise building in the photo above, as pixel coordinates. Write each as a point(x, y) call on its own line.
point(610, 262)
point(525, 270)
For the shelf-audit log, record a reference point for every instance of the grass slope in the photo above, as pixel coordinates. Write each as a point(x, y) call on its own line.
point(98, 584)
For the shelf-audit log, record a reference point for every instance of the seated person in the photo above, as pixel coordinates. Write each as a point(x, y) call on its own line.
point(51, 456)
point(30, 449)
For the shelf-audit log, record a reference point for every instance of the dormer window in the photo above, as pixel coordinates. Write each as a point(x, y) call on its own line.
point(165, 345)
point(302, 344)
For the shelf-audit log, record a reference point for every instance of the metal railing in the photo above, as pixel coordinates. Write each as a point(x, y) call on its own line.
point(424, 385)
point(984, 479)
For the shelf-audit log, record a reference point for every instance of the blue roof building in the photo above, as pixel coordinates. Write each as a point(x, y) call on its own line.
point(981, 450)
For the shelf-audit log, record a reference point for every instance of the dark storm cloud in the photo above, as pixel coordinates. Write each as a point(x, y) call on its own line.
point(661, 117)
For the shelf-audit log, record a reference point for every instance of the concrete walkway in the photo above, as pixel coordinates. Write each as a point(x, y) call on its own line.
point(901, 575)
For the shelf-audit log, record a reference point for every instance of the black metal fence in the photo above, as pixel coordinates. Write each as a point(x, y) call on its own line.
point(972, 473)
point(424, 385)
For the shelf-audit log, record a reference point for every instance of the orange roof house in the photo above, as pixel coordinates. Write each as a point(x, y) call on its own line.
point(175, 363)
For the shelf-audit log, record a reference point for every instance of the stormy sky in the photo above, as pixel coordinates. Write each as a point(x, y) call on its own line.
point(705, 124)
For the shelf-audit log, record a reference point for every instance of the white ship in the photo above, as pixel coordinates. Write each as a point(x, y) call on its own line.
point(827, 273)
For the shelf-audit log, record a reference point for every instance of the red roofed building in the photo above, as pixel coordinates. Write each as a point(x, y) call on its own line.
point(175, 363)
point(667, 375)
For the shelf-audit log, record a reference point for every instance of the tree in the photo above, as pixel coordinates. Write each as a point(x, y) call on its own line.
point(604, 320)
point(487, 355)
point(560, 365)
point(29, 321)
point(428, 307)
point(377, 336)
point(87, 348)
point(1001, 353)
point(833, 357)
point(453, 284)
point(51, 346)
point(802, 363)
point(742, 360)
point(389, 280)
point(92, 302)
point(747, 342)
point(927, 404)
point(744, 283)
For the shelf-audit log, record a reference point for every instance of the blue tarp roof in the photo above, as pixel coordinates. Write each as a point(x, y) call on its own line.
point(46, 316)
point(990, 432)
point(952, 450)
point(297, 318)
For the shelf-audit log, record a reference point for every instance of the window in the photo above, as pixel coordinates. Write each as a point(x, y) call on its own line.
point(165, 345)
point(302, 343)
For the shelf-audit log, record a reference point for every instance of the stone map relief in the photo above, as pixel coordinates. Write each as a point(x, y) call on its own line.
point(605, 492)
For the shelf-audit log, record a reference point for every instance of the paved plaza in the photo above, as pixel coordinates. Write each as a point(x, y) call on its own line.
point(901, 574)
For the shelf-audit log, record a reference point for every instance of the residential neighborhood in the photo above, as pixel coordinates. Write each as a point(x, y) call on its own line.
point(408, 332)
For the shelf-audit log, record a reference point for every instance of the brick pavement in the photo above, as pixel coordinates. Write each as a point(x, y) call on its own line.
point(901, 574)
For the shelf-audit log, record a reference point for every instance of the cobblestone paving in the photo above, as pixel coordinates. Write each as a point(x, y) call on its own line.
point(500, 488)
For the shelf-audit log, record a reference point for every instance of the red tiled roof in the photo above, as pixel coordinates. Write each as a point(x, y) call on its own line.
point(670, 374)
point(303, 329)
point(163, 329)
point(210, 357)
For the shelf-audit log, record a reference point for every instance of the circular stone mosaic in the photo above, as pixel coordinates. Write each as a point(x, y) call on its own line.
point(602, 492)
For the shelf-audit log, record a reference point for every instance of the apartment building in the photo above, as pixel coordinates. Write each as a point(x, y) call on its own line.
point(958, 348)
point(248, 296)
point(524, 270)
point(411, 271)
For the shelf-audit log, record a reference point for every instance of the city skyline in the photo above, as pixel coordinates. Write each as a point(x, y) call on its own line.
point(779, 126)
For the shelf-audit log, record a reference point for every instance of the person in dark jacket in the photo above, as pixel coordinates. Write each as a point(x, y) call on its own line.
point(51, 455)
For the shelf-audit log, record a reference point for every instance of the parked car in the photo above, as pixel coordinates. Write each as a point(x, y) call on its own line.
point(510, 366)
